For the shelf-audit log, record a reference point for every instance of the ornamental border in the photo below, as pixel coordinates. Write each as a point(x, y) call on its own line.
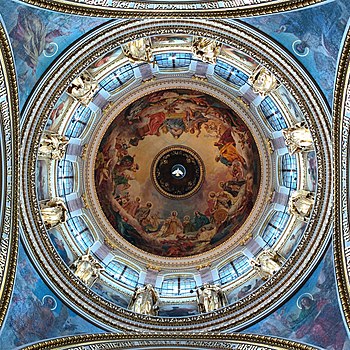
point(204, 341)
point(162, 9)
point(9, 120)
point(275, 290)
point(341, 134)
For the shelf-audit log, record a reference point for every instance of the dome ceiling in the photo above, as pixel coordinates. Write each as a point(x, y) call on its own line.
point(120, 130)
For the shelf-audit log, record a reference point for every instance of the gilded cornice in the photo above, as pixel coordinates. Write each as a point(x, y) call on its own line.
point(173, 340)
point(167, 9)
point(9, 121)
point(276, 289)
point(341, 122)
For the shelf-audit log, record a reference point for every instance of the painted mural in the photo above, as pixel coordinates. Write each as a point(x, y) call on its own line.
point(293, 241)
point(290, 103)
point(312, 315)
point(57, 114)
point(178, 310)
point(171, 40)
point(42, 183)
point(239, 56)
point(60, 246)
point(111, 294)
point(244, 290)
point(311, 171)
point(312, 35)
point(38, 37)
point(36, 313)
point(107, 59)
point(171, 227)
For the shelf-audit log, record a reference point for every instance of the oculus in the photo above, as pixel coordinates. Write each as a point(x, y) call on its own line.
point(177, 172)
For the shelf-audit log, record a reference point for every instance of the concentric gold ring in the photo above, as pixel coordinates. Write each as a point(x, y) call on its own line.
point(187, 185)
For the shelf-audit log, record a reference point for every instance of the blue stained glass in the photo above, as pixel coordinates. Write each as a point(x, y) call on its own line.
point(275, 227)
point(65, 178)
point(272, 114)
point(81, 232)
point(78, 121)
point(230, 73)
point(234, 269)
point(122, 273)
point(117, 78)
point(178, 285)
point(289, 171)
point(173, 60)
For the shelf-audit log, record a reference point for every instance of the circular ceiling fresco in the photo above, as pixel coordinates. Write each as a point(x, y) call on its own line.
point(174, 200)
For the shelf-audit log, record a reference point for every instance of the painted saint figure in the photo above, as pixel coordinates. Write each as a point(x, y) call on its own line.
point(172, 226)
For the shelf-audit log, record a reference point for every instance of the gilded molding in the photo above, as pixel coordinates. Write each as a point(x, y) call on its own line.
point(9, 122)
point(341, 122)
point(173, 340)
point(166, 9)
point(275, 290)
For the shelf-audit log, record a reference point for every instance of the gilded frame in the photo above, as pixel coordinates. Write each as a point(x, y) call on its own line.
point(164, 9)
point(9, 124)
point(341, 121)
point(165, 340)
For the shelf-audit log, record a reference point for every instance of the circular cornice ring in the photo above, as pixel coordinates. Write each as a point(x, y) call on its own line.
point(341, 122)
point(170, 341)
point(276, 289)
point(9, 130)
point(166, 9)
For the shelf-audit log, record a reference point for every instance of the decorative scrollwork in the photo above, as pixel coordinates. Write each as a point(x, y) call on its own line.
point(9, 120)
point(341, 120)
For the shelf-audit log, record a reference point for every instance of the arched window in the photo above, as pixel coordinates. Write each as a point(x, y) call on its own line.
point(275, 227)
point(78, 121)
point(289, 171)
point(178, 285)
point(65, 178)
point(117, 78)
point(173, 60)
point(230, 73)
point(234, 269)
point(81, 232)
point(272, 114)
point(122, 273)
